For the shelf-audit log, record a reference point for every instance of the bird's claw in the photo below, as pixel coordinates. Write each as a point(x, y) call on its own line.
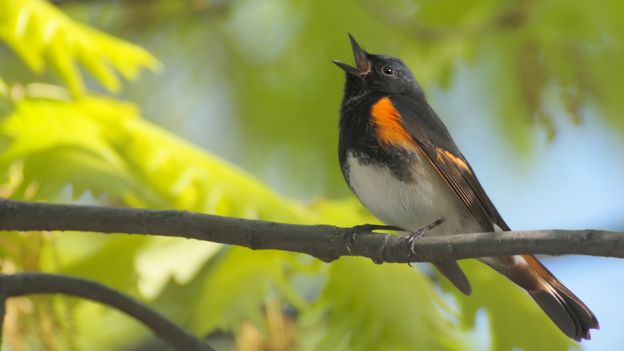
point(414, 236)
point(351, 235)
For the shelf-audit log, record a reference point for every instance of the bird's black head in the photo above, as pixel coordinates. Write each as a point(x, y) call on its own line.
point(377, 74)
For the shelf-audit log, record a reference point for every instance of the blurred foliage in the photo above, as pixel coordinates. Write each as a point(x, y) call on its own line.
point(41, 34)
point(266, 97)
point(57, 149)
point(573, 48)
point(256, 78)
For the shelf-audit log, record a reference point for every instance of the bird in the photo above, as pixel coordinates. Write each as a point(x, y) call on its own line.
point(401, 162)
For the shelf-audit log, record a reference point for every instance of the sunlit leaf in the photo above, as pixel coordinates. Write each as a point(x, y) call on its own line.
point(42, 35)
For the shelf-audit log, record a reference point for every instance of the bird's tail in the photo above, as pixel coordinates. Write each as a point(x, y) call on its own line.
point(453, 272)
point(566, 310)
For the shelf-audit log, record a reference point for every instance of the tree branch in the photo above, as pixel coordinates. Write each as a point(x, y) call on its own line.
point(325, 242)
point(21, 284)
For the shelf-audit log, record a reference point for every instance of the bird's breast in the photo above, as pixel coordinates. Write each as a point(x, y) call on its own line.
point(409, 202)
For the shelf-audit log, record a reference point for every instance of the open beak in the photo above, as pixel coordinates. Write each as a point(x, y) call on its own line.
point(361, 60)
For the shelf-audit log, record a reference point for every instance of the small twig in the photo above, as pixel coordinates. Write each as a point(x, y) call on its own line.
point(21, 284)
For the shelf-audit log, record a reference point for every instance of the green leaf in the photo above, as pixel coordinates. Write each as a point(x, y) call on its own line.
point(42, 35)
point(383, 307)
point(240, 284)
point(110, 263)
point(165, 258)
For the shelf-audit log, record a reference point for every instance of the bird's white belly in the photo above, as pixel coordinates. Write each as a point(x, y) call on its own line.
point(409, 204)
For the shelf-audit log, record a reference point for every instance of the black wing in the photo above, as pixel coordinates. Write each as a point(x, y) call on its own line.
point(434, 140)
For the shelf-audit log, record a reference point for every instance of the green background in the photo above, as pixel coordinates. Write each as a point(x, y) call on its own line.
point(239, 117)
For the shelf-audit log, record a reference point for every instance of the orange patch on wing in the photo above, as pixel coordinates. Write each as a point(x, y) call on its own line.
point(445, 155)
point(387, 121)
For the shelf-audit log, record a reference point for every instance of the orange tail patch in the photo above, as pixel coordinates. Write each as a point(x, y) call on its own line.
point(387, 121)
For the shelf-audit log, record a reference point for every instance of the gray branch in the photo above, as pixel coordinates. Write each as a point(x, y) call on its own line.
point(325, 242)
point(21, 284)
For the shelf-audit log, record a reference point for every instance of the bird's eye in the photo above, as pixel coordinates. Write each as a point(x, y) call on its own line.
point(387, 70)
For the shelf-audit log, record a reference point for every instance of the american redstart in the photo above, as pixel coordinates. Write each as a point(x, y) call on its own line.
point(401, 162)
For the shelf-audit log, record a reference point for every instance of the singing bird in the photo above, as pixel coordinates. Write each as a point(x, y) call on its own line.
point(400, 161)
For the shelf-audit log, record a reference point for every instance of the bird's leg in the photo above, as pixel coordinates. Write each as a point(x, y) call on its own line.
point(353, 232)
point(414, 236)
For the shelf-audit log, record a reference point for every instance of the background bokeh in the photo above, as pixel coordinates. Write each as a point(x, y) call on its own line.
point(529, 90)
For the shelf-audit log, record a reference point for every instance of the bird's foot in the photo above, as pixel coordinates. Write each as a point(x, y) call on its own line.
point(414, 236)
point(351, 235)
